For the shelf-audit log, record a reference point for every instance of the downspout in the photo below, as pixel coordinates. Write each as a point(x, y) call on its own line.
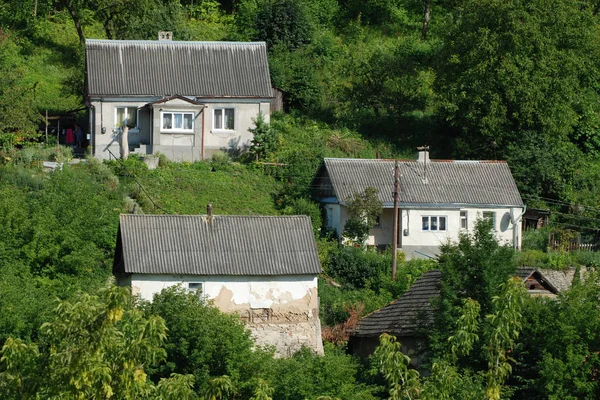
point(91, 122)
point(515, 221)
point(202, 144)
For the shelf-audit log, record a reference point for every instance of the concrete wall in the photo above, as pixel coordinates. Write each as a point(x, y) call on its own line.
point(103, 116)
point(413, 239)
point(177, 146)
point(282, 311)
point(238, 139)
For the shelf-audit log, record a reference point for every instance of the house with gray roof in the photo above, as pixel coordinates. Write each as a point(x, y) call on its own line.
point(263, 268)
point(409, 317)
point(438, 199)
point(183, 99)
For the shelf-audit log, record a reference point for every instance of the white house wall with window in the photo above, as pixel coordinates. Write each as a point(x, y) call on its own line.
point(201, 97)
point(263, 268)
point(437, 200)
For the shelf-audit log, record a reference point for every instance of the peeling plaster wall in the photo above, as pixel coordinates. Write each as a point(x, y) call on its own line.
point(282, 311)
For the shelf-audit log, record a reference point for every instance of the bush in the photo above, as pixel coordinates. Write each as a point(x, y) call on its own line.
point(535, 239)
point(304, 206)
point(532, 258)
point(355, 268)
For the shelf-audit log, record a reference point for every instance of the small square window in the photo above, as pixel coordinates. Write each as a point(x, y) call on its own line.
point(463, 220)
point(126, 116)
point(224, 119)
point(195, 287)
point(490, 216)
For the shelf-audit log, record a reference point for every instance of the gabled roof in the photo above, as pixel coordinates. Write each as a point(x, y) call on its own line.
point(404, 316)
point(413, 310)
point(223, 245)
point(176, 97)
point(488, 183)
point(159, 68)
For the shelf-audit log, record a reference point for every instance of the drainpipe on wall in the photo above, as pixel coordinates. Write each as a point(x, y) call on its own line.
point(515, 221)
point(202, 144)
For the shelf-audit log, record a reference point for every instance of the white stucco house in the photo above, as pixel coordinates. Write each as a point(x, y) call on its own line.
point(183, 99)
point(263, 268)
point(438, 199)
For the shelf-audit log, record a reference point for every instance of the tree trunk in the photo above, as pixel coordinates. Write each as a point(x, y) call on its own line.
point(124, 143)
point(75, 19)
point(426, 19)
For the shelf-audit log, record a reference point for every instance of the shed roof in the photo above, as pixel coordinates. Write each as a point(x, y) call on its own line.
point(162, 68)
point(441, 182)
point(413, 310)
point(223, 245)
point(404, 316)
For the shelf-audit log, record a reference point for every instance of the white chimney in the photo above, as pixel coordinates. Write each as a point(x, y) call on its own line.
point(165, 36)
point(423, 154)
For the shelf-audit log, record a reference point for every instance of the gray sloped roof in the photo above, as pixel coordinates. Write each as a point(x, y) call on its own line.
point(225, 245)
point(413, 310)
point(404, 316)
point(162, 68)
point(447, 182)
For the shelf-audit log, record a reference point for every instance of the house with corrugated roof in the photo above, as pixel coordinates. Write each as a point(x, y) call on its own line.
point(186, 100)
point(263, 268)
point(410, 317)
point(437, 199)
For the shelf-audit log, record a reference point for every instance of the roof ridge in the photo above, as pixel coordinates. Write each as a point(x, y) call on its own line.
point(415, 160)
point(178, 42)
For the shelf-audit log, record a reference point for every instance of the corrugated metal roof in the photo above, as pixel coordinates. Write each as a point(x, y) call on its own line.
point(443, 182)
point(225, 245)
point(159, 68)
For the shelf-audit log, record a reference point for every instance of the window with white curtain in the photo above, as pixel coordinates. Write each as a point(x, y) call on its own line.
point(177, 121)
point(224, 119)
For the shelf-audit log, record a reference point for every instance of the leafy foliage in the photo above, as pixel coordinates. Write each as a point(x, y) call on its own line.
point(364, 210)
point(94, 346)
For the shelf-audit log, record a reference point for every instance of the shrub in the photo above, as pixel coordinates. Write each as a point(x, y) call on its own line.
point(355, 267)
point(304, 206)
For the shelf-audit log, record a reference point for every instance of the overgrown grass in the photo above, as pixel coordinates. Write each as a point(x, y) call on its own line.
point(184, 188)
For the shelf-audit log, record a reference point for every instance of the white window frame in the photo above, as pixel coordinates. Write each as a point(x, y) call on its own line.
point(177, 130)
point(137, 118)
point(493, 217)
point(194, 286)
point(214, 118)
point(464, 219)
point(438, 219)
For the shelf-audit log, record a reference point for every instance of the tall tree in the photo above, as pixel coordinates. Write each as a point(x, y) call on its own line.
point(510, 66)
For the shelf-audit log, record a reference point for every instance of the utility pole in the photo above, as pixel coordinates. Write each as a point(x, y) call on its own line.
point(47, 128)
point(395, 245)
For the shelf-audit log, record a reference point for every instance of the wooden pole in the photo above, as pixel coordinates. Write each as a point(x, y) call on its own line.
point(395, 245)
point(46, 127)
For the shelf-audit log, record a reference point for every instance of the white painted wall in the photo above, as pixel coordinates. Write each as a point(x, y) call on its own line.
point(412, 220)
point(256, 292)
point(104, 117)
point(240, 137)
point(177, 146)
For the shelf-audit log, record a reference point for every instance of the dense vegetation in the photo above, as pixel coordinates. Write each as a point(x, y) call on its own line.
point(514, 80)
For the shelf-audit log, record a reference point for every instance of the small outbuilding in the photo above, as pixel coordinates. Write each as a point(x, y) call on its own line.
point(263, 268)
point(409, 317)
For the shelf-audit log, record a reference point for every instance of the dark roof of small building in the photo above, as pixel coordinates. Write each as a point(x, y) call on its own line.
point(404, 316)
point(163, 68)
point(442, 182)
point(413, 311)
point(221, 245)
